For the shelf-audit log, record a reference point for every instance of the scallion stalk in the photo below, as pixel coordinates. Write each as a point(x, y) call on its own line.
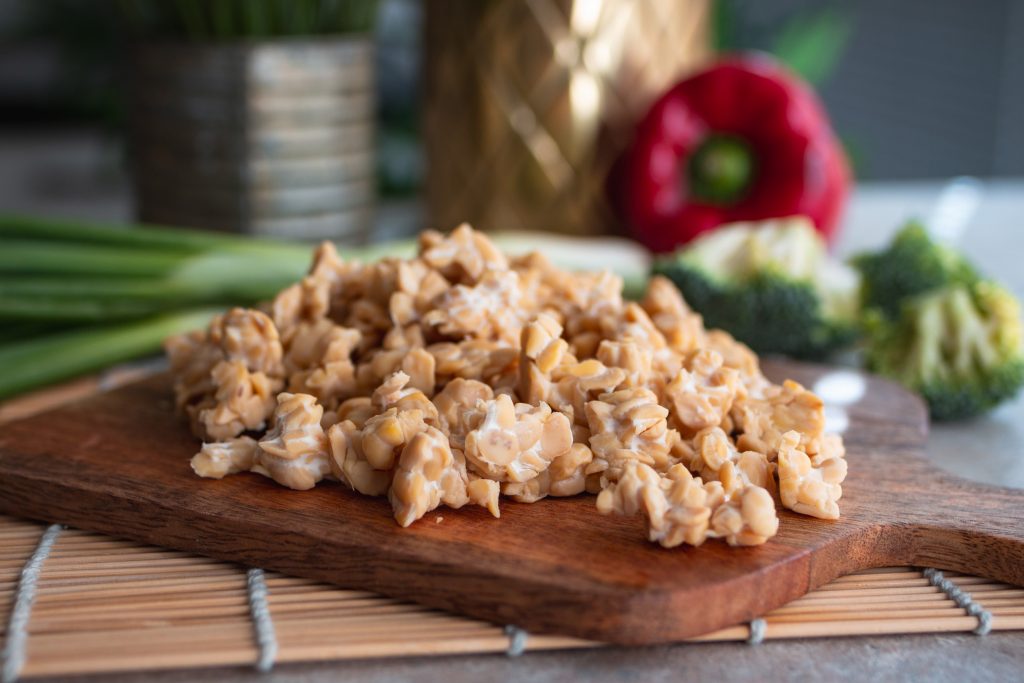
point(75, 296)
point(74, 310)
point(44, 360)
point(32, 257)
point(161, 238)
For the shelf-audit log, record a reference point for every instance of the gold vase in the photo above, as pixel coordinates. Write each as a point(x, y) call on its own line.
point(530, 102)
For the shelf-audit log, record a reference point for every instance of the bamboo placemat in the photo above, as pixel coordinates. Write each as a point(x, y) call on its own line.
point(105, 605)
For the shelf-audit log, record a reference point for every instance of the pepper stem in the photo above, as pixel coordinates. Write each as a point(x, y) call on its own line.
point(721, 170)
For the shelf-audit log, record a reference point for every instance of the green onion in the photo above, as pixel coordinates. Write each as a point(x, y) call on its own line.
point(75, 296)
point(52, 358)
point(17, 330)
point(19, 256)
point(158, 238)
point(72, 310)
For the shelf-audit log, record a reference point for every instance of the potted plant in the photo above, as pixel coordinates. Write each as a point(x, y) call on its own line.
point(253, 116)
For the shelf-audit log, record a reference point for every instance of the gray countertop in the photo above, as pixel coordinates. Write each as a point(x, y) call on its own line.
point(57, 175)
point(996, 658)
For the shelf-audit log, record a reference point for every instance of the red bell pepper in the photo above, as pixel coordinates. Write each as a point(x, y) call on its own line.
point(742, 140)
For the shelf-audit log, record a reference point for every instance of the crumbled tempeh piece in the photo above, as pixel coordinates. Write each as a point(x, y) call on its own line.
point(677, 506)
point(220, 458)
point(402, 338)
point(458, 399)
point(191, 360)
point(319, 342)
point(681, 509)
point(243, 401)
point(319, 361)
point(418, 363)
point(541, 350)
point(244, 336)
point(576, 383)
point(427, 475)
point(473, 359)
point(488, 310)
point(564, 477)
point(718, 459)
point(633, 358)
point(682, 328)
point(527, 491)
point(701, 394)
point(348, 463)
point(417, 285)
point(634, 323)
point(372, 321)
point(567, 473)
point(251, 337)
point(761, 422)
point(826, 447)
point(627, 425)
point(385, 435)
point(310, 299)
point(294, 452)
point(463, 256)
point(738, 356)
point(358, 410)
point(392, 393)
point(807, 488)
point(747, 517)
point(515, 442)
point(586, 299)
point(542, 343)
point(485, 493)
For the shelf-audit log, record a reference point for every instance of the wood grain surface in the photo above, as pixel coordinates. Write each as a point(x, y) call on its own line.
point(117, 462)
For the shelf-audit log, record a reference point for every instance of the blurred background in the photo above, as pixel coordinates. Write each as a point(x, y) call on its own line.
point(919, 89)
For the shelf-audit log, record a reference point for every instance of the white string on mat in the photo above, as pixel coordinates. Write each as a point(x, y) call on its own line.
point(516, 640)
point(13, 654)
point(517, 637)
point(962, 598)
point(262, 623)
point(757, 630)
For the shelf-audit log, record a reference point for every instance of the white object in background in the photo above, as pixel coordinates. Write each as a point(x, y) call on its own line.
point(624, 257)
point(955, 208)
point(839, 389)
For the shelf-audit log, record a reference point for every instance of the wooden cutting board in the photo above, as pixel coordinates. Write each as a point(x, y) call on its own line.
point(118, 463)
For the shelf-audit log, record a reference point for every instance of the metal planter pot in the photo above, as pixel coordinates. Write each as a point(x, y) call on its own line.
point(268, 138)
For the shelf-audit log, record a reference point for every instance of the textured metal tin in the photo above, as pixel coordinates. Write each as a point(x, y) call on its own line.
point(270, 138)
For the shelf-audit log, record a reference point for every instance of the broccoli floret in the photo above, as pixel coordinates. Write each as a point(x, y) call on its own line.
point(771, 284)
point(959, 347)
point(912, 264)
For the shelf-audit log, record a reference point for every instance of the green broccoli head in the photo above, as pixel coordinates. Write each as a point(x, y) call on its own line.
point(771, 285)
point(912, 264)
point(959, 347)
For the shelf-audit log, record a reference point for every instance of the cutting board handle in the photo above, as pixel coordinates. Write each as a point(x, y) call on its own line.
point(953, 523)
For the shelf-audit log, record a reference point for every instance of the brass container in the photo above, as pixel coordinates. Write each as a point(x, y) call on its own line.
point(269, 138)
point(530, 102)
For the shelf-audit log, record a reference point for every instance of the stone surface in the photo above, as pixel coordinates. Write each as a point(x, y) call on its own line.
point(938, 659)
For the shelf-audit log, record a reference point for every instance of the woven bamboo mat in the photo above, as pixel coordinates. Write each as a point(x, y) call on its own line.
point(105, 605)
